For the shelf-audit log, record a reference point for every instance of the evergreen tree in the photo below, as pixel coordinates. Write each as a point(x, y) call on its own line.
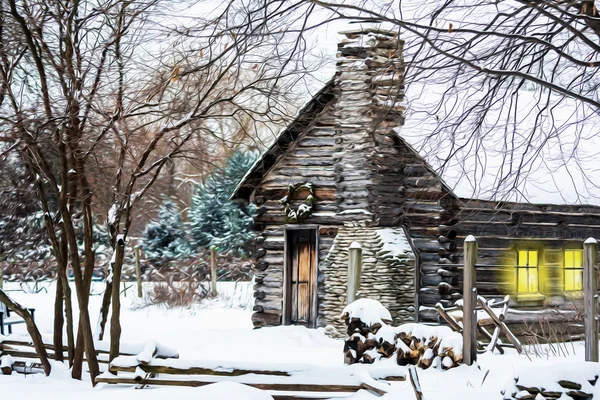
point(164, 239)
point(216, 221)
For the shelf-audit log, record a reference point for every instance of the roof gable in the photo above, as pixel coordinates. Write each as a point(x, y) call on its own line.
point(284, 141)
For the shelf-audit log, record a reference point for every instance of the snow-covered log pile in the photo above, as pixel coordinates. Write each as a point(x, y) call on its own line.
point(371, 338)
point(565, 381)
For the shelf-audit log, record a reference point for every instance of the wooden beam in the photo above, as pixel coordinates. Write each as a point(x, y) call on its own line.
point(590, 298)
point(469, 302)
point(287, 387)
point(354, 271)
point(164, 369)
point(509, 335)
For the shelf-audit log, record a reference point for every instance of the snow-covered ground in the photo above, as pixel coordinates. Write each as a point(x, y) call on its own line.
point(221, 329)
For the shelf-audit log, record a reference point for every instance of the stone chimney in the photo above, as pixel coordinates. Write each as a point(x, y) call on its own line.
point(370, 76)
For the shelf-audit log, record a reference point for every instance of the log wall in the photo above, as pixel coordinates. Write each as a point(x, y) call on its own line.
point(501, 229)
point(309, 159)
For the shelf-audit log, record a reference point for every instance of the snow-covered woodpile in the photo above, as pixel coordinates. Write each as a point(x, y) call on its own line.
point(577, 381)
point(371, 338)
point(387, 275)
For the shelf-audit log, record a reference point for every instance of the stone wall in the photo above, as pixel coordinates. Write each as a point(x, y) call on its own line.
point(388, 273)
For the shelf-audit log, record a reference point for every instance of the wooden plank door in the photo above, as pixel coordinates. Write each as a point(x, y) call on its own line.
point(300, 296)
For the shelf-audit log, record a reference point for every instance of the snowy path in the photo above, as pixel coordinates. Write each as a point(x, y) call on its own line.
point(218, 331)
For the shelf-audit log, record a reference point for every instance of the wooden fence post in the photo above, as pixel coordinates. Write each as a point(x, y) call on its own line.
point(590, 296)
point(138, 271)
point(469, 301)
point(213, 271)
point(354, 271)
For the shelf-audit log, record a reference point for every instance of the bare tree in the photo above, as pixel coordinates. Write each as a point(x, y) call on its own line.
point(498, 91)
point(117, 87)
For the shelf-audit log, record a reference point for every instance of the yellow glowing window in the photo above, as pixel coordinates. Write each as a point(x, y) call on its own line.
point(573, 270)
point(527, 271)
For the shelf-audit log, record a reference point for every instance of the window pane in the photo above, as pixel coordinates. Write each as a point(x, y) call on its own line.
point(578, 259)
point(533, 258)
point(522, 280)
point(533, 280)
point(570, 279)
point(569, 262)
point(578, 285)
point(522, 262)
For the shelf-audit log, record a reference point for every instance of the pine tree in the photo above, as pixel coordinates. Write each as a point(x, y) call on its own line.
point(216, 221)
point(165, 239)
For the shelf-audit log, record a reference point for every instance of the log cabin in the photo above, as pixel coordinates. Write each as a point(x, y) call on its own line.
point(341, 173)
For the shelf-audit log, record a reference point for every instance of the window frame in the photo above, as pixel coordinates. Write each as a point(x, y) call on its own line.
point(526, 269)
point(565, 268)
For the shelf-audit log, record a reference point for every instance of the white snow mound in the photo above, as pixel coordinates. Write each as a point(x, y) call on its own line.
point(368, 311)
point(547, 378)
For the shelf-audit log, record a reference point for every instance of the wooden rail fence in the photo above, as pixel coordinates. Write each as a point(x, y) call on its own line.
point(284, 382)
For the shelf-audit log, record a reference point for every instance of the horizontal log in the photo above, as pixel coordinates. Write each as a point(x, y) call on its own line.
point(33, 355)
point(266, 319)
point(434, 280)
point(475, 205)
point(165, 369)
point(425, 193)
point(279, 183)
point(479, 229)
point(284, 387)
point(321, 193)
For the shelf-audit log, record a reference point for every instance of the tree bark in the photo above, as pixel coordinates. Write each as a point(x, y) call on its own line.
point(66, 288)
point(77, 370)
point(59, 321)
point(104, 309)
point(38, 343)
point(115, 324)
point(82, 296)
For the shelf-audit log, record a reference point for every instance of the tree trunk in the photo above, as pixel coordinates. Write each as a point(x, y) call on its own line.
point(66, 288)
point(104, 310)
point(59, 321)
point(38, 344)
point(82, 296)
point(78, 354)
point(115, 324)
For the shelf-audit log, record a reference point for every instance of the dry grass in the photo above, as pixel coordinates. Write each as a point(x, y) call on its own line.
point(554, 333)
point(171, 291)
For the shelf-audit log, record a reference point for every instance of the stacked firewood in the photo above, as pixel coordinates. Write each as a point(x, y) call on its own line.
point(371, 338)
